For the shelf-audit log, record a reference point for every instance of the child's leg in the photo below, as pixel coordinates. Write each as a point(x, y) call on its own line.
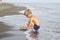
point(32, 27)
point(35, 27)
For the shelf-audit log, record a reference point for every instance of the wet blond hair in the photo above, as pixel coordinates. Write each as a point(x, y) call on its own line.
point(27, 11)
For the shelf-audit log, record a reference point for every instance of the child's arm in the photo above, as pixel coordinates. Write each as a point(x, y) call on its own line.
point(28, 25)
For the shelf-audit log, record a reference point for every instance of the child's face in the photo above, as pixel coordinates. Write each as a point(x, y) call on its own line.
point(28, 15)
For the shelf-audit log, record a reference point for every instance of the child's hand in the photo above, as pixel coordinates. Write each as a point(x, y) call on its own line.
point(24, 27)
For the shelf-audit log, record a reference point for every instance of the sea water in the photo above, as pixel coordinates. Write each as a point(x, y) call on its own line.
point(48, 15)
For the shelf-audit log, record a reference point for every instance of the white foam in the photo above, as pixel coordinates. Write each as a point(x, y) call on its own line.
point(22, 12)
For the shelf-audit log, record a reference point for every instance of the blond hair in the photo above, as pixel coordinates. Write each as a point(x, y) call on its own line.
point(27, 11)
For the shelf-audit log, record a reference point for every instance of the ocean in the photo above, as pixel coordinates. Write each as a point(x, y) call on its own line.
point(48, 15)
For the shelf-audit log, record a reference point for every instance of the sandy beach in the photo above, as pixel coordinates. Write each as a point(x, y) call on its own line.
point(11, 22)
point(11, 10)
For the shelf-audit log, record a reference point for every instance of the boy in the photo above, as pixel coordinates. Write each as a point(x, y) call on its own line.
point(33, 21)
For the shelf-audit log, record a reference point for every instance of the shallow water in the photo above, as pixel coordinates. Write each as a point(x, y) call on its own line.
point(49, 16)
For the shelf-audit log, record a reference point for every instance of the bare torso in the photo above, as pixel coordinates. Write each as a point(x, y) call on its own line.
point(35, 21)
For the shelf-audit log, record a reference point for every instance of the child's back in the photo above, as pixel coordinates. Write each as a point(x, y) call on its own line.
point(35, 20)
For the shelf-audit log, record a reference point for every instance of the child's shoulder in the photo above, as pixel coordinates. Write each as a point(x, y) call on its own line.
point(33, 18)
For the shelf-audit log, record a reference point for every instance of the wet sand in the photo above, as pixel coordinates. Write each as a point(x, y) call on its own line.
point(11, 11)
point(50, 27)
point(6, 32)
point(4, 28)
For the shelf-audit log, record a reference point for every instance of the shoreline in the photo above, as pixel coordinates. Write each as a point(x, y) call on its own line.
point(5, 30)
point(13, 10)
point(8, 33)
point(49, 28)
